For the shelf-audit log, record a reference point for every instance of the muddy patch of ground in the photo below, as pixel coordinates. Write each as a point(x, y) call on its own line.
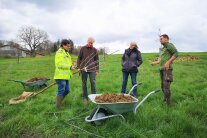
point(186, 58)
point(30, 134)
point(181, 59)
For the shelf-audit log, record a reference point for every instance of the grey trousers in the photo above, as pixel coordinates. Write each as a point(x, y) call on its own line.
point(166, 80)
point(92, 77)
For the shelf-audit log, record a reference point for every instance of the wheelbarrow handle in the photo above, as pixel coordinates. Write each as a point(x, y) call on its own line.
point(152, 92)
point(133, 87)
point(16, 81)
point(35, 94)
point(157, 90)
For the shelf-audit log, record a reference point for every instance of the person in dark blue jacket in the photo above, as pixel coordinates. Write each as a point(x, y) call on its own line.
point(131, 60)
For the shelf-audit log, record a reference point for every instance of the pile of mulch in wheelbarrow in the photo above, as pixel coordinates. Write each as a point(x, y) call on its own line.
point(113, 98)
point(36, 79)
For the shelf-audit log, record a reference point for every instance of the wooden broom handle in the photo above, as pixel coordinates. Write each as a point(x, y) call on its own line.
point(35, 94)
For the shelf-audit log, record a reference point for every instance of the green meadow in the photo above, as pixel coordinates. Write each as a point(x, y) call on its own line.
point(186, 117)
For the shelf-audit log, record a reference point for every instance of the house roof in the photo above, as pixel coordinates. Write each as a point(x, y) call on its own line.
point(17, 46)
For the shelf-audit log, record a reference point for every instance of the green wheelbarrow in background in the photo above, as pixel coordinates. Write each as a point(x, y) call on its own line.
point(33, 84)
point(109, 110)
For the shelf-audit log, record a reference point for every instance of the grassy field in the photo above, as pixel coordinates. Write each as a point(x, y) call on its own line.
point(186, 117)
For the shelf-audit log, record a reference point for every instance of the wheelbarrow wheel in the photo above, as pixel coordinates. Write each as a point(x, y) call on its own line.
point(101, 113)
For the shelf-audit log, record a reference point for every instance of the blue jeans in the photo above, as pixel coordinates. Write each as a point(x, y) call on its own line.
point(92, 76)
point(125, 80)
point(63, 87)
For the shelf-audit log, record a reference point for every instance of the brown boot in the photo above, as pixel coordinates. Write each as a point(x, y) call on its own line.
point(59, 100)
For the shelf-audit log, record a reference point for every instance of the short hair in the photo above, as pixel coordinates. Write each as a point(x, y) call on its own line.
point(91, 39)
point(64, 42)
point(165, 36)
point(134, 43)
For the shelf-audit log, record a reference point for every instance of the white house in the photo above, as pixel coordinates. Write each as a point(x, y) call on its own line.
point(11, 51)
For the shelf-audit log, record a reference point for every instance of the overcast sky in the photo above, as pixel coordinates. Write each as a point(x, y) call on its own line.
point(113, 23)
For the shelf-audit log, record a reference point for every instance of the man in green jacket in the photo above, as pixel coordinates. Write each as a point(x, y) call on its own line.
point(63, 73)
point(167, 55)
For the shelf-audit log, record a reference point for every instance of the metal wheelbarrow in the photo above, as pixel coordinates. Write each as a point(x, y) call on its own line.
point(109, 110)
point(33, 85)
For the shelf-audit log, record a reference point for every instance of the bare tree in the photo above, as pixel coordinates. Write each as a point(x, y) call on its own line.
point(76, 50)
point(32, 37)
point(2, 43)
point(48, 47)
point(56, 45)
